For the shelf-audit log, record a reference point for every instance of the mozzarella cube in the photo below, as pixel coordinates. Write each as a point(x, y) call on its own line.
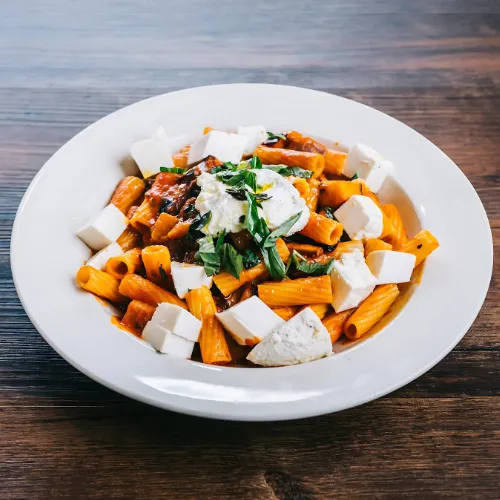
point(250, 321)
point(189, 277)
point(103, 229)
point(100, 258)
point(225, 147)
point(361, 218)
point(153, 153)
point(304, 338)
point(255, 134)
point(352, 281)
point(369, 165)
point(167, 342)
point(177, 320)
point(391, 267)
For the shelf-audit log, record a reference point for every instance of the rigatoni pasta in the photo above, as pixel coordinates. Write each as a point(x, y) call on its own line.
point(268, 230)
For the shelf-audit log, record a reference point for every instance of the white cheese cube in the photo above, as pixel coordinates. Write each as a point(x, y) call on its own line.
point(153, 153)
point(255, 134)
point(100, 258)
point(103, 229)
point(304, 338)
point(177, 320)
point(361, 218)
point(352, 281)
point(224, 146)
point(369, 165)
point(391, 267)
point(189, 277)
point(250, 321)
point(165, 341)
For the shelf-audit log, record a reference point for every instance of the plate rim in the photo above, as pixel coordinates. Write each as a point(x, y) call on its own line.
point(201, 412)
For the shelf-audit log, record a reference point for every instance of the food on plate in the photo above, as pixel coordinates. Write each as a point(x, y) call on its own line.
point(250, 241)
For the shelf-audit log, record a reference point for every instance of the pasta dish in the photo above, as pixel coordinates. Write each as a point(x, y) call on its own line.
point(250, 247)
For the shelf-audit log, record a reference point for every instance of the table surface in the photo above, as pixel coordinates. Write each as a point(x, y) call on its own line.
point(435, 66)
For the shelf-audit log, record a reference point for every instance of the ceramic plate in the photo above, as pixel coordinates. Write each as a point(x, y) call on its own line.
point(78, 180)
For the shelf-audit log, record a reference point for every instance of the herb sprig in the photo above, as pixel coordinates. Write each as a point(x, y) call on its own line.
point(173, 170)
point(298, 262)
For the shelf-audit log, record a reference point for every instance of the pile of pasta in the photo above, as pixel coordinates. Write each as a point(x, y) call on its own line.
point(158, 219)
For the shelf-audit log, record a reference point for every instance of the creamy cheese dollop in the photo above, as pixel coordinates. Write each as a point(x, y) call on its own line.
point(228, 212)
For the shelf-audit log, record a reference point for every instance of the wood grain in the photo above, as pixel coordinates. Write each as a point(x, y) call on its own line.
point(433, 65)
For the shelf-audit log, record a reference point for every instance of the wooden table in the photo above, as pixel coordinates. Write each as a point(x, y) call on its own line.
point(63, 65)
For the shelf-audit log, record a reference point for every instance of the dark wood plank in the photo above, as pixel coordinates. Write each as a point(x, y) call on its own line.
point(426, 448)
point(435, 65)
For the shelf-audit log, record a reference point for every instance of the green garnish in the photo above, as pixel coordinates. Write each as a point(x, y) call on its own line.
point(199, 222)
point(298, 262)
point(271, 135)
point(173, 170)
point(250, 259)
point(290, 171)
point(354, 177)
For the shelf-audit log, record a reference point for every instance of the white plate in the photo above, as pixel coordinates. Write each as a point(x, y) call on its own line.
point(78, 180)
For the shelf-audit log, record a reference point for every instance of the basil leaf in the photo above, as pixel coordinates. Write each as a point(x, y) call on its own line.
point(228, 166)
point(231, 260)
point(312, 269)
point(220, 240)
point(289, 171)
point(271, 135)
point(173, 170)
point(199, 222)
point(256, 226)
point(273, 262)
point(250, 259)
point(190, 210)
point(239, 179)
point(281, 231)
point(255, 163)
point(354, 177)
point(238, 194)
point(208, 255)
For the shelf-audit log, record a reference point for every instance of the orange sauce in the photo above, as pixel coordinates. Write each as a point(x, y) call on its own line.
point(116, 321)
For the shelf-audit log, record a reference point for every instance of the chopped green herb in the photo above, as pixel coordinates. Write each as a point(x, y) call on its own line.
point(238, 179)
point(250, 259)
point(255, 163)
point(199, 222)
point(231, 260)
point(298, 262)
point(289, 171)
point(173, 170)
point(281, 231)
point(354, 177)
point(239, 194)
point(271, 135)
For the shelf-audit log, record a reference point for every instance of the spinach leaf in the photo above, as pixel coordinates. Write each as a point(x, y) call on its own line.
point(173, 170)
